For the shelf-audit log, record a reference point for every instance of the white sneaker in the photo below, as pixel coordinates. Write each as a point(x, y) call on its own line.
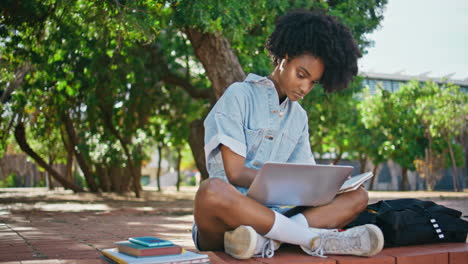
point(365, 240)
point(244, 242)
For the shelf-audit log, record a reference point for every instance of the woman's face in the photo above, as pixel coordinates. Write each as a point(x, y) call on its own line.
point(296, 77)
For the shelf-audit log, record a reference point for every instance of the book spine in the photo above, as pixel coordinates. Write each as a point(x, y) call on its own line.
point(114, 258)
point(175, 250)
point(138, 242)
point(165, 243)
point(204, 260)
point(162, 252)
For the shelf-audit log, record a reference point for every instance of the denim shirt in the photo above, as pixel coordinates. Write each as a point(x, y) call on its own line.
point(249, 120)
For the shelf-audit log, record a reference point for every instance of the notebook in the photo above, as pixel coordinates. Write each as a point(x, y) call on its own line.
point(298, 184)
point(356, 181)
point(185, 258)
point(149, 241)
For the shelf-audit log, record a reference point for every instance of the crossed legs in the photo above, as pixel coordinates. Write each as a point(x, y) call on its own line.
point(219, 207)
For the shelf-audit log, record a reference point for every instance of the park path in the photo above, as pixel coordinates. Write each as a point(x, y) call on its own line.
point(41, 226)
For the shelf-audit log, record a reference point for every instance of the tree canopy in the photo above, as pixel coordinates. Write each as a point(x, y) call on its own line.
point(101, 81)
point(413, 126)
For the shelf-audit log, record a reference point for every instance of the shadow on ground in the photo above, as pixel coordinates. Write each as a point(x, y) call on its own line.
point(36, 223)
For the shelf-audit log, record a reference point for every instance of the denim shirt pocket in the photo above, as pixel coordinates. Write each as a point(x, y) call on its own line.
point(286, 146)
point(253, 139)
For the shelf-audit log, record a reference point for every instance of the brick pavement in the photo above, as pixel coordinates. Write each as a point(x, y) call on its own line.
point(40, 226)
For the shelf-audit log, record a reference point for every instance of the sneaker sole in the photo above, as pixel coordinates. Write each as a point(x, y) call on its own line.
point(240, 243)
point(376, 235)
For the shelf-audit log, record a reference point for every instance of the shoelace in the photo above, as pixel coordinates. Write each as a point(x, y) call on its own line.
point(318, 253)
point(324, 236)
point(268, 249)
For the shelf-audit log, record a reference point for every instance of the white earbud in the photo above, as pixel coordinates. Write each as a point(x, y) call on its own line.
point(281, 65)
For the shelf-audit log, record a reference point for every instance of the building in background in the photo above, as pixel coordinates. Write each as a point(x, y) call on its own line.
point(391, 82)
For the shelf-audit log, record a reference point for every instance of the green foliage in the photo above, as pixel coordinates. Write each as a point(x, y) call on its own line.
point(122, 71)
point(12, 180)
point(247, 25)
point(40, 183)
point(361, 16)
point(192, 181)
point(418, 120)
point(443, 109)
point(78, 179)
point(393, 115)
point(334, 122)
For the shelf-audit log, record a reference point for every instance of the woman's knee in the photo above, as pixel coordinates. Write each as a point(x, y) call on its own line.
point(213, 194)
point(361, 199)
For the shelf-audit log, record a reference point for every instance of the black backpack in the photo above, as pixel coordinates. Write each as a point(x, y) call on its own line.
point(412, 221)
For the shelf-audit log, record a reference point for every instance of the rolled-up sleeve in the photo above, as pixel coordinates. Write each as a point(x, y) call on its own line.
point(224, 126)
point(302, 152)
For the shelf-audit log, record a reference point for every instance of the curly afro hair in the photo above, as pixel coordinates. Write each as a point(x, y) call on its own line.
point(320, 35)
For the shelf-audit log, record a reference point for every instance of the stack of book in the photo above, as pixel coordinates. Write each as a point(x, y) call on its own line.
point(150, 250)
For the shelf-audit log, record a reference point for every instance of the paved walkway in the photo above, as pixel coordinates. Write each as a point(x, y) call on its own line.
point(41, 226)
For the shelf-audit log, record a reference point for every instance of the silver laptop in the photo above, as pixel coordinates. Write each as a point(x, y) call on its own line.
point(298, 184)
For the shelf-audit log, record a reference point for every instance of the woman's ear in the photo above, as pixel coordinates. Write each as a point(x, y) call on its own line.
point(283, 61)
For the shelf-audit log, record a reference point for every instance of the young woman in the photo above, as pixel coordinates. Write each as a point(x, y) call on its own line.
point(260, 120)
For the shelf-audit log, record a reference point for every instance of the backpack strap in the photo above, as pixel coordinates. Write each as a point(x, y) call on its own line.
point(432, 220)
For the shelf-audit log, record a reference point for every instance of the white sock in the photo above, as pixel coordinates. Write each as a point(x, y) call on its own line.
point(289, 231)
point(300, 219)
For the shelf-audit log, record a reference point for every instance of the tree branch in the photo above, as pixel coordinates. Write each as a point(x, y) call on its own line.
point(20, 74)
point(167, 76)
point(170, 78)
point(218, 58)
point(107, 118)
point(20, 136)
point(79, 157)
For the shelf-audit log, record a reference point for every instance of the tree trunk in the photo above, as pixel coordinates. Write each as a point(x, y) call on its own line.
point(196, 142)
point(51, 180)
point(20, 136)
point(374, 178)
point(104, 183)
point(218, 58)
point(158, 175)
point(87, 172)
point(34, 176)
point(222, 68)
point(362, 162)
point(462, 138)
point(137, 173)
point(454, 165)
point(50, 186)
point(131, 167)
point(118, 179)
point(69, 165)
point(76, 168)
point(179, 160)
point(338, 158)
point(404, 179)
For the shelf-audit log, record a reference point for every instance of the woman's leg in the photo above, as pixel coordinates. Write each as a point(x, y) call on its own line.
point(340, 212)
point(219, 207)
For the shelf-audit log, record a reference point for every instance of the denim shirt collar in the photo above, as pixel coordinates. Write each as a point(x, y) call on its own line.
point(262, 80)
point(254, 78)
